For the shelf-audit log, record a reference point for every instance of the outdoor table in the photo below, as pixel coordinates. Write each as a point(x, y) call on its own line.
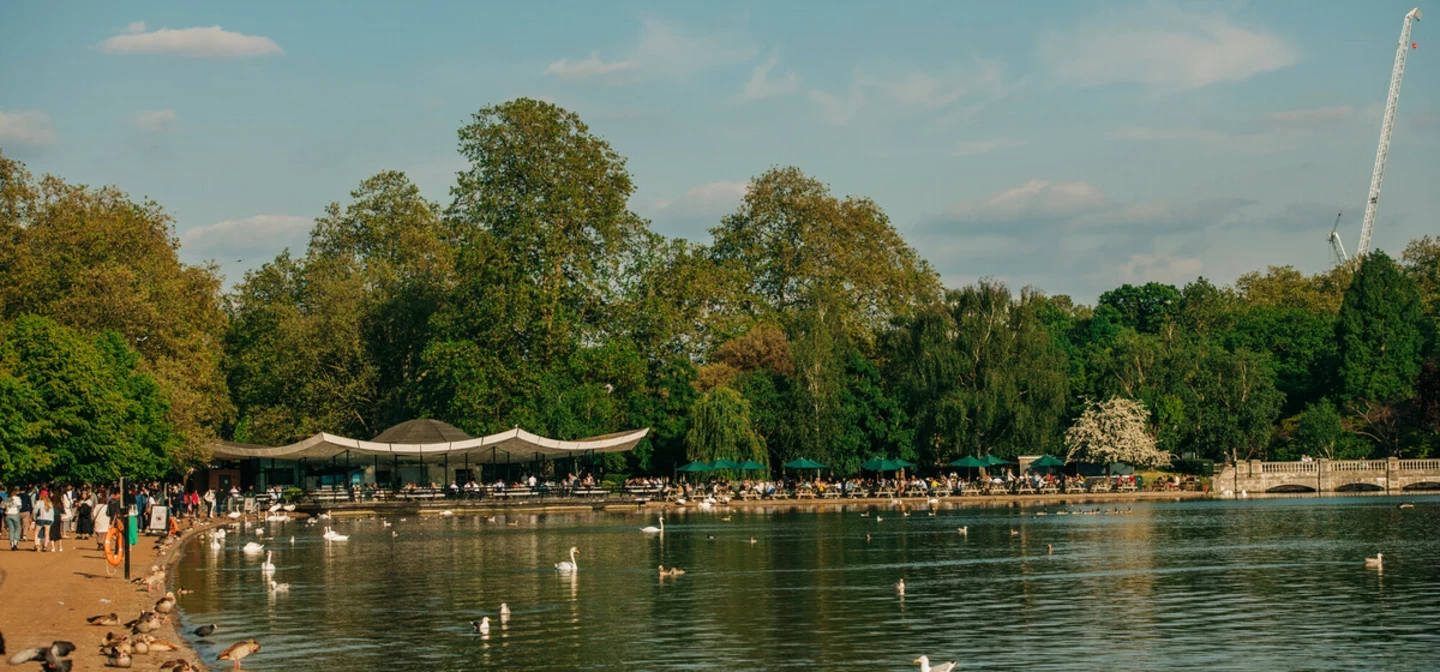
point(831, 493)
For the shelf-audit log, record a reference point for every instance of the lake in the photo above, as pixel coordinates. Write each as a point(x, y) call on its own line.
point(1275, 584)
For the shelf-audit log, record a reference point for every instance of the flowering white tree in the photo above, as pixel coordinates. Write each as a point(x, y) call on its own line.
point(1114, 431)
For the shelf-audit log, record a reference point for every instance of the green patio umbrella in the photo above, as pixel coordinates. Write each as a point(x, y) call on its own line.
point(992, 461)
point(697, 466)
point(725, 464)
point(885, 464)
point(969, 461)
point(1047, 461)
point(752, 465)
point(803, 463)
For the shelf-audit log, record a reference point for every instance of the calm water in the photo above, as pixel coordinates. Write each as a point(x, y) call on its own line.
point(1255, 585)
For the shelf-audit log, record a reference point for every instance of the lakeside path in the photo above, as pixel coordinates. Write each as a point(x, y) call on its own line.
point(48, 596)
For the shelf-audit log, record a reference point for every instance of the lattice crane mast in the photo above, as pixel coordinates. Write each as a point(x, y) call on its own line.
point(1382, 152)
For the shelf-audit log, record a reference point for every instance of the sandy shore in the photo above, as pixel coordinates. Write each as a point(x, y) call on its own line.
point(48, 596)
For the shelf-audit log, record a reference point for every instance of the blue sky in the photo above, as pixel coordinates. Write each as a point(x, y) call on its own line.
point(1067, 145)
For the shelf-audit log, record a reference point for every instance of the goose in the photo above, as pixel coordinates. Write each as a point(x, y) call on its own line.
point(726, 519)
point(925, 665)
point(253, 548)
point(1377, 562)
point(279, 587)
point(267, 566)
point(904, 513)
point(504, 612)
point(878, 519)
point(104, 619)
point(964, 531)
point(239, 650)
point(900, 587)
point(166, 604)
point(655, 530)
point(481, 626)
point(394, 534)
point(120, 657)
point(386, 523)
point(570, 566)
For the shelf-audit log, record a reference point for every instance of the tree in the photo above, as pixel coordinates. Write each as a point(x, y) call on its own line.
point(1114, 431)
point(791, 238)
point(1145, 308)
point(1378, 335)
point(1319, 429)
point(720, 429)
point(1421, 261)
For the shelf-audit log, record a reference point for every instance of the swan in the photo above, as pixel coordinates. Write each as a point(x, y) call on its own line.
point(216, 543)
point(292, 541)
point(289, 507)
point(926, 667)
point(1376, 562)
point(900, 587)
point(338, 537)
point(218, 533)
point(267, 566)
point(568, 566)
point(655, 530)
point(233, 515)
point(274, 508)
point(279, 587)
point(447, 512)
point(253, 547)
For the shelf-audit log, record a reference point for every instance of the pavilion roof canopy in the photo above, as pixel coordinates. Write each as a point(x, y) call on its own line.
point(515, 445)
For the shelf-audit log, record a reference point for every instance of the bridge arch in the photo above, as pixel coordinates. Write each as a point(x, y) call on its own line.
point(1291, 487)
point(1423, 485)
point(1360, 487)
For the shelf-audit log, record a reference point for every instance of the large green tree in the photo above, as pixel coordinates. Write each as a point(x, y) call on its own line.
point(1378, 334)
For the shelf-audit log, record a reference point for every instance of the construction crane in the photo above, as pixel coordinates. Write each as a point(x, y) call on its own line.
point(1382, 152)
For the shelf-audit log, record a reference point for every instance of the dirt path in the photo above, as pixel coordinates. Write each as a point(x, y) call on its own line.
point(48, 596)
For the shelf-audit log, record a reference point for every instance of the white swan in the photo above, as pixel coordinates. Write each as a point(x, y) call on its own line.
point(253, 547)
point(279, 587)
point(218, 533)
point(332, 535)
point(267, 566)
point(274, 508)
point(926, 667)
point(655, 530)
point(289, 507)
point(568, 566)
point(1377, 562)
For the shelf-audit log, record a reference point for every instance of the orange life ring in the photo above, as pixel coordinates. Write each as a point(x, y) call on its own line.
point(113, 554)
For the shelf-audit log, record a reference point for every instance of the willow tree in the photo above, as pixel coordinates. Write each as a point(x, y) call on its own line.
point(720, 428)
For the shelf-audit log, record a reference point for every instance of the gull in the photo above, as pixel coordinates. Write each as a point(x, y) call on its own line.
point(900, 587)
point(481, 626)
point(1377, 562)
point(504, 612)
point(925, 665)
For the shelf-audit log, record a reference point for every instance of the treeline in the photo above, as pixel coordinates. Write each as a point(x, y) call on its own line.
point(535, 297)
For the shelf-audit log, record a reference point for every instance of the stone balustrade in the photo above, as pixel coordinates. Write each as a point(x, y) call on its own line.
point(1392, 476)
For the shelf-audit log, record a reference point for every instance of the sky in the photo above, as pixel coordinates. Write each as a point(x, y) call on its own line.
point(1071, 146)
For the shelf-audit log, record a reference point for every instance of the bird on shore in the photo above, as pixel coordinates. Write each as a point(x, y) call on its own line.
point(52, 656)
point(119, 657)
point(481, 626)
point(1377, 562)
point(570, 566)
point(177, 665)
point(900, 587)
point(166, 604)
point(205, 630)
point(239, 651)
point(104, 619)
point(925, 665)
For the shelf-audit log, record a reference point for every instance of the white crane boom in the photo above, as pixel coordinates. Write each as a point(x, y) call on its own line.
point(1383, 151)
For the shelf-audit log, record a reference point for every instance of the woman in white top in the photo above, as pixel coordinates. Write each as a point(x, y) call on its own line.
point(12, 519)
point(44, 518)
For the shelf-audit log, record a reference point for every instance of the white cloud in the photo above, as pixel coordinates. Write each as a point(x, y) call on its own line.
point(200, 41)
point(1142, 268)
point(694, 212)
point(1163, 47)
point(662, 49)
point(267, 234)
point(590, 67)
point(761, 86)
point(1311, 118)
point(1034, 200)
point(155, 121)
point(1185, 134)
point(913, 91)
point(31, 128)
point(978, 147)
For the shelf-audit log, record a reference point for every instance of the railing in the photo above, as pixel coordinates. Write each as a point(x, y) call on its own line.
point(1359, 465)
point(1289, 467)
point(1419, 465)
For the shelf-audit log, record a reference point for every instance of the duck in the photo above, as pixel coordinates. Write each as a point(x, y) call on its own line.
point(655, 530)
point(253, 548)
point(864, 514)
point(239, 651)
point(570, 566)
point(1377, 562)
point(279, 587)
point(205, 630)
point(900, 587)
point(931, 513)
point(267, 566)
point(481, 626)
point(182, 591)
point(964, 531)
point(925, 665)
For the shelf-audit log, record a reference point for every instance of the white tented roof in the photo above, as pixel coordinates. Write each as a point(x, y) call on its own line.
point(516, 445)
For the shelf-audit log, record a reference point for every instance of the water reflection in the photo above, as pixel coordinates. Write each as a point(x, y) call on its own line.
point(1201, 585)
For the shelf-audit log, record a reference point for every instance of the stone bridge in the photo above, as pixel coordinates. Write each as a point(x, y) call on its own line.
point(1391, 476)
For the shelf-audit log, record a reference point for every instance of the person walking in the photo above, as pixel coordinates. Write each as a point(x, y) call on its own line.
point(85, 516)
point(63, 513)
point(27, 511)
point(44, 519)
point(12, 520)
point(209, 503)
